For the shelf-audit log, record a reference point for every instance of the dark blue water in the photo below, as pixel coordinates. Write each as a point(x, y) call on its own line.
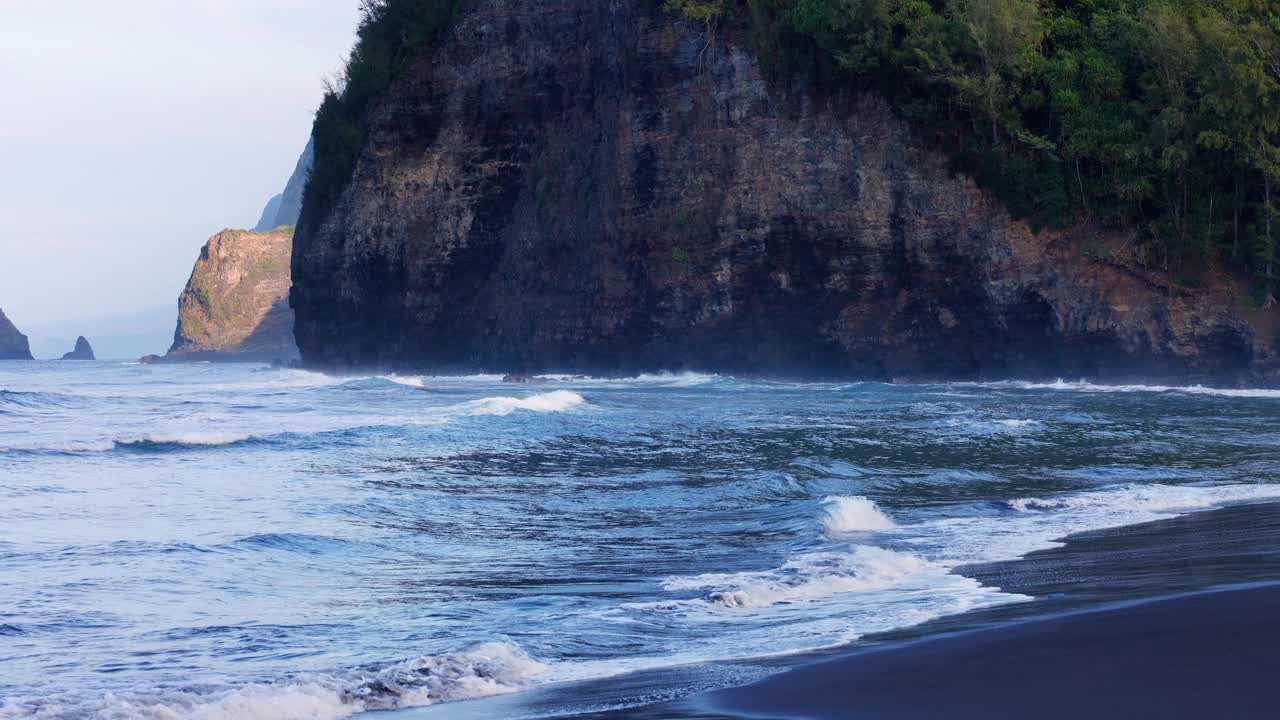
point(233, 542)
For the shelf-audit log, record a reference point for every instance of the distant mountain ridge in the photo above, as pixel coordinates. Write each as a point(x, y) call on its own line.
point(283, 209)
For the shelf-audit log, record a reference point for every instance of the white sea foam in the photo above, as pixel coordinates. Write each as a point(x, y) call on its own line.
point(210, 438)
point(556, 401)
point(844, 514)
point(299, 378)
point(914, 580)
point(490, 669)
point(310, 700)
point(406, 380)
point(810, 576)
point(473, 378)
point(1040, 523)
point(1150, 498)
point(681, 379)
point(1085, 386)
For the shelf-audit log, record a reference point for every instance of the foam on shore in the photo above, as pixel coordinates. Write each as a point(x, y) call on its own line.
point(488, 669)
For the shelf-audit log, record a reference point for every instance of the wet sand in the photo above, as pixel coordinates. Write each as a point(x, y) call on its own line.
point(1208, 655)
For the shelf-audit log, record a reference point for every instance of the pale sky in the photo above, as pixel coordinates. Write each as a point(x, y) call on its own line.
point(132, 130)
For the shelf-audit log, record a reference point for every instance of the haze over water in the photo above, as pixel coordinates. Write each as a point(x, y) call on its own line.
point(231, 541)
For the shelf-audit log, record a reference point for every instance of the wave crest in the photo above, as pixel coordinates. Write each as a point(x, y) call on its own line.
point(407, 380)
point(806, 578)
point(846, 514)
point(203, 439)
point(145, 442)
point(556, 401)
point(1085, 386)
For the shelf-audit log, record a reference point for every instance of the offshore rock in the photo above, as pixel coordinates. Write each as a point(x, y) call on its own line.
point(82, 350)
point(13, 344)
point(234, 307)
point(577, 185)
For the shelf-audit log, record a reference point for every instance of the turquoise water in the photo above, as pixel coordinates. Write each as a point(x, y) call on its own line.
point(232, 541)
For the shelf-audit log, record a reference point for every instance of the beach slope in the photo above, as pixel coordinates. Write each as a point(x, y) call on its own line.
point(1204, 655)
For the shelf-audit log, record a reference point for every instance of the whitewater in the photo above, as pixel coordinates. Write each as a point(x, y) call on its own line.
point(232, 541)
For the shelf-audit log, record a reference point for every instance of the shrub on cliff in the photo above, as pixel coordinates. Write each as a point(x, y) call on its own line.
point(390, 34)
point(1157, 114)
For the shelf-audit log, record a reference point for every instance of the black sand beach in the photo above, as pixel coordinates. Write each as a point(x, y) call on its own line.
point(1210, 655)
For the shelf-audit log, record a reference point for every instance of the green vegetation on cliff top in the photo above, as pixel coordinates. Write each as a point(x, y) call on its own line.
point(1157, 115)
point(391, 33)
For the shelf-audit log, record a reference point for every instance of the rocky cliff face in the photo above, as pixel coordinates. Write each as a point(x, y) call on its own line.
point(579, 185)
point(82, 351)
point(235, 304)
point(283, 209)
point(13, 344)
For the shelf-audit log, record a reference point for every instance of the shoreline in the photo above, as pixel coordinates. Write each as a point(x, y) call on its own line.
point(1102, 582)
point(1206, 654)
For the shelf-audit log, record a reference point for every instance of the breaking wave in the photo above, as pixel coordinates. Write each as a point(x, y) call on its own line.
point(784, 558)
point(806, 577)
point(938, 547)
point(556, 401)
point(196, 439)
point(1085, 386)
point(680, 379)
point(489, 669)
point(406, 380)
point(843, 514)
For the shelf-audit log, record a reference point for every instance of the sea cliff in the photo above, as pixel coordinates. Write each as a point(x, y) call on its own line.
point(234, 306)
point(605, 187)
point(13, 344)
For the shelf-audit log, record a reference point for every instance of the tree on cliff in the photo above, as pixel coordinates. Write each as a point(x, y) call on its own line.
point(1162, 115)
point(390, 34)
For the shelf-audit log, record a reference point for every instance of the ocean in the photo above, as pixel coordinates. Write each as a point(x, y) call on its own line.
point(233, 541)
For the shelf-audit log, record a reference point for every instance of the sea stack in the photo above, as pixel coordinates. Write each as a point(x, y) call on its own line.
point(13, 344)
point(82, 351)
point(236, 303)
